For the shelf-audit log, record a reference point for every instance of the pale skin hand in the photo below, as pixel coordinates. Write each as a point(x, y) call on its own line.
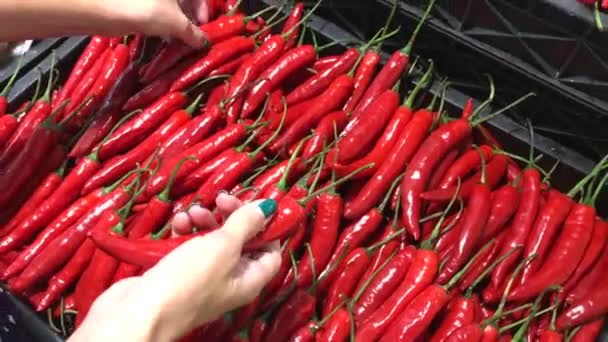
point(196, 283)
point(30, 19)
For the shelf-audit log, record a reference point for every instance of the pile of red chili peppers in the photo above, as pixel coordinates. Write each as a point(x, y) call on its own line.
point(398, 222)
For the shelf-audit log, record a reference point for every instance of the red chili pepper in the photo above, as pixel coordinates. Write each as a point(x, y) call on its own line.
point(196, 178)
point(505, 202)
point(323, 63)
point(592, 255)
point(218, 55)
point(461, 313)
point(440, 172)
point(464, 165)
point(117, 166)
point(391, 71)
point(319, 82)
point(65, 245)
point(158, 87)
point(589, 331)
point(548, 221)
point(295, 312)
point(215, 31)
point(592, 306)
point(363, 77)
point(495, 173)
point(134, 131)
point(6, 89)
point(97, 45)
point(8, 124)
point(331, 99)
point(482, 263)
point(337, 328)
point(324, 133)
point(306, 333)
point(293, 244)
point(229, 68)
point(291, 61)
point(291, 25)
point(63, 221)
point(568, 250)
point(84, 86)
point(384, 283)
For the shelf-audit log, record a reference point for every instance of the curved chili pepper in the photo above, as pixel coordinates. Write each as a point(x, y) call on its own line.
point(383, 285)
point(159, 87)
point(323, 63)
point(63, 221)
point(495, 173)
point(566, 253)
point(63, 246)
point(215, 31)
point(469, 332)
point(405, 147)
point(505, 202)
point(466, 163)
point(295, 312)
point(461, 313)
point(117, 166)
point(521, 224)
point(440, 172)
point(291, 61)
point(306, 333)
point(97, 45)
point(589, 331)
point(548, 221)
point(196, 178)
point(331, 99)
point(363, 77)
point(8, 124)
point(219, 54)
point(291, 26)
point(589, 308)
point(135, 130)
point(592, 255)
point(337, 327)
point(324, 133)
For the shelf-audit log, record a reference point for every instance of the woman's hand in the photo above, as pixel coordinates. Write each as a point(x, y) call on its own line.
point(197, 282)
point(28, 19)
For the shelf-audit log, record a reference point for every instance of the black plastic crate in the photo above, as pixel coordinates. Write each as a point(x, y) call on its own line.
point(511, 132)
point(550, 47)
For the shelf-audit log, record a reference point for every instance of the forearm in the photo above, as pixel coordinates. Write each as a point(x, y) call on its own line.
point(30, 19)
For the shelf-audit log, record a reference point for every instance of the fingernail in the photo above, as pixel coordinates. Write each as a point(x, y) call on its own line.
point(268, 207)
point(222, 192)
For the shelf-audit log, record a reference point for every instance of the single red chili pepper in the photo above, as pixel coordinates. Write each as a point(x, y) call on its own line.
point(135, 46)
point(589, 331)
point(419, 313)
point(295, 312)
point(505, 202)
point(117, 166)
point(363, 77)
point(8, 124)
point(65, 245)
point(495, 173)
point(331, 99)
point(7, 88)
point(592, 306)
point(67, 192)
point(482, 263)
point(109, 75)
point(391, 71)
point(293, 114)
point(292, 26)
point(323, 63)
point(521, 224)
point(66, 304)
point(592, 255)
point(195, 179)
point(133, 132)
point(305, 333)
point(63, 221)
point(337, 328)
point(59, 282)
point(215, 31)
point(96, 47)
point(462, 312)
point(550, 334)
point(568, 250)
point(159, 87)
point(324, 133)
point(229, 68)
point(464, 165)
point(440, 172)
point(291, 61)
point(383, 284)
point(218, 55)
point(548, 221)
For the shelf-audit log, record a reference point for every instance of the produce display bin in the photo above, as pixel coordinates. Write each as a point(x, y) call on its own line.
point(352, 23)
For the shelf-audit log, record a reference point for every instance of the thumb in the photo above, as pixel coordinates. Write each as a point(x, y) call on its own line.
point(247, 221)
point(182, 28)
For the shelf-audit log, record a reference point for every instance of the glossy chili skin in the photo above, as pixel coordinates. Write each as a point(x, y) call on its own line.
point(381, 254)
point(331, 99)
point(63, 221)
point(568, 250)
point(324, 133)
point(219, 54)
point(461, 313)
point(215, 31)
point(8, 124)
point(347, 275)
point(295, 312)
point(142, 252)
point(591, 307)
point(467, 162)
point(550, 336)
point(305, 333)
point(66, 277)
point(337, 328)
point(420, 275)
point(505, 202)
point(294, 17)
point(195, 179)
point(441, 170)
point(117, 166)
point(522, 222)
point(363, 77)
point(589, 331)
point(469, 333)
point(322, 63)
point(65, 244)
point(290, 62)
point(550, 217)
point(293, 245)
point(484, 260)
point(317, 83)
point(383, 285)
point(418, 315)
point(395, 162)
point(471, 229)
point(134, 131)
point(67, 192)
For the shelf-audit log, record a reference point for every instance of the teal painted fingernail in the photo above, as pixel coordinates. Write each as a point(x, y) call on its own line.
point(268, 207)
